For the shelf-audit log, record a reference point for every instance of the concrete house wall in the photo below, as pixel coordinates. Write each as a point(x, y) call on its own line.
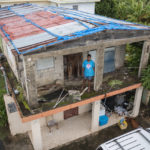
point(10, 58)
point(87, 7)
point(50, 75)
point(8, 3)
point(34, 77)
point(14, 118)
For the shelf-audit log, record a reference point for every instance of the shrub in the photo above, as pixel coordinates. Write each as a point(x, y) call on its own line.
point(133, 56)
point(146, 78)
point(3, 115)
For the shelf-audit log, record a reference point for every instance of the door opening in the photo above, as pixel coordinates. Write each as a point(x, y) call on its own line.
point(73, 66)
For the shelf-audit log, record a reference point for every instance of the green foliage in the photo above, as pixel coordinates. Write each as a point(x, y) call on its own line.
point(26, 105)
point(131, 10)
point(114, 83)
point(106, 8)
point(3, 115)
point(134, 10)
point(133, 56)
point(146, 78)
point(21, 98)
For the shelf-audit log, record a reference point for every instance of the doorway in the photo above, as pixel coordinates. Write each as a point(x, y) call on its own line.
point(73, 66)
point(109, 59)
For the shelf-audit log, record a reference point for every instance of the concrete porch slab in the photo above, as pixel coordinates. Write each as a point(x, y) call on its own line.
point(71, 129)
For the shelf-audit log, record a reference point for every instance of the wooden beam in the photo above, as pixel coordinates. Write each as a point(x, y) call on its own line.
point(81, 103)
point(144, 57)
point(99, 67)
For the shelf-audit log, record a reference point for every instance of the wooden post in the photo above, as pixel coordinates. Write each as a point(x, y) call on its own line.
point(144, 57)
point(99, 67)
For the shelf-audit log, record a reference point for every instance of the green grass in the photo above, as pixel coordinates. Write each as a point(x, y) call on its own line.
point(114, 83)
point(3, 115)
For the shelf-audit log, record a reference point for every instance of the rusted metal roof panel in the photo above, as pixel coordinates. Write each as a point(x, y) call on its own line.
point(24, 26)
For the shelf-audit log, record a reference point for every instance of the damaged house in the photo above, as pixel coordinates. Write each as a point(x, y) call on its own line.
point(45, 48)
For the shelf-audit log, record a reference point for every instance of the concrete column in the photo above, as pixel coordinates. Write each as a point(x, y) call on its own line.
point(119, 56)
point(146, 97)
point(99, 68)
point(144, 57)
point(31, 87)
point(95, 115)
point(36, 135)
point(84, 56)
point(137, 102)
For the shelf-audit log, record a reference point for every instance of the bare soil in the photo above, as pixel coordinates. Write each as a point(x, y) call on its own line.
point(19, 142)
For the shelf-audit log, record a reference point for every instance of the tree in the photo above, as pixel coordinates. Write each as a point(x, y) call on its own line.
point(133, 56)
point(137, 11)
point(134, 10)
point(106, 8)
point(146, 78)
point(131, 10)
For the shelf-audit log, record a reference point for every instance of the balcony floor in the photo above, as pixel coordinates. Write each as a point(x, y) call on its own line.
point(72, 129)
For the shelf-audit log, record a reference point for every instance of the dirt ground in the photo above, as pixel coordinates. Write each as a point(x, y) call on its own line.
point(22, 142)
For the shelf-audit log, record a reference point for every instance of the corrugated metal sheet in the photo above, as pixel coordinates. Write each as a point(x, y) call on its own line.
point(60, 30)
point(138, 139)
point(28, 25)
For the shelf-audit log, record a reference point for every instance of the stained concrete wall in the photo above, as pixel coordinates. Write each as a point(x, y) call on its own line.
point(10, 58)
point(85, 108)
point(86, 7)
point(15, 119)
point(57, 117)
point(44, 3)
point(60, 116)
point(47, 76)
point(35, 77)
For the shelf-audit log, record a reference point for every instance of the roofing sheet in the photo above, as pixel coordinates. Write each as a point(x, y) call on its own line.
point(138, 139)
point(28, 27)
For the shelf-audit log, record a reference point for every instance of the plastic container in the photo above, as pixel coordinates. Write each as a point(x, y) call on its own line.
point(123, 124)
point(103, 120)
point(102, 110)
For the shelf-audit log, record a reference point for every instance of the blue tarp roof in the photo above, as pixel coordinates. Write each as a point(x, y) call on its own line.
point(80, 25)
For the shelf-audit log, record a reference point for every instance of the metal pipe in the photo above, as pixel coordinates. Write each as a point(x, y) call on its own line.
point(5, 79)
